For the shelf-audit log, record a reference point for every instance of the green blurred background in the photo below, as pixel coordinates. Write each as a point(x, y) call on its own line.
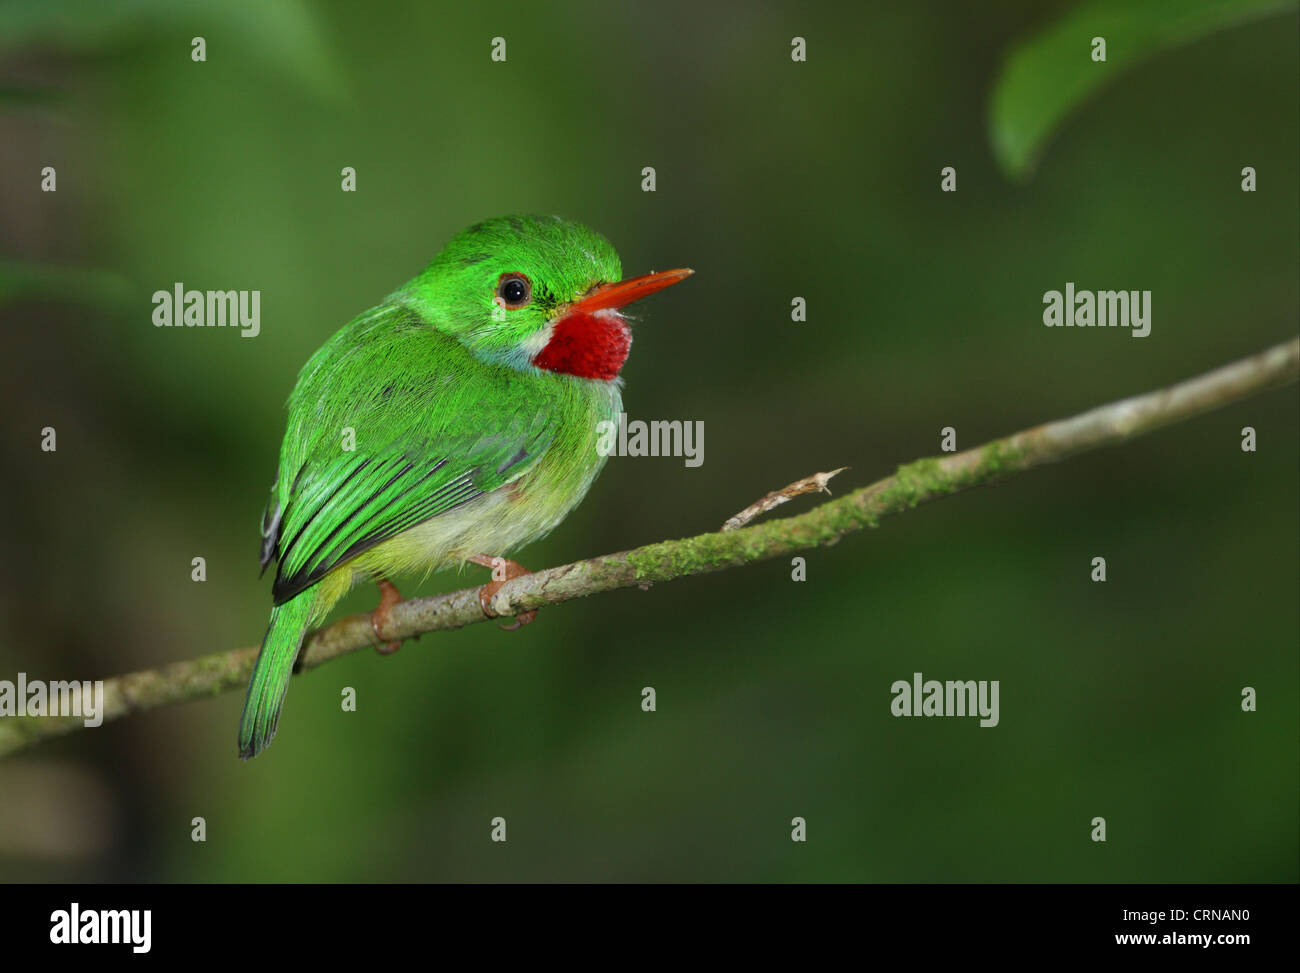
point(775, 179)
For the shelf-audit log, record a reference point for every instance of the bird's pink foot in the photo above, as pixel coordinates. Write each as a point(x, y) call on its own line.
point(388, 597)
point(503, 570)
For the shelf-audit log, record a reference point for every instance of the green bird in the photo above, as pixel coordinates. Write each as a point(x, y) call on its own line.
point(452, 423)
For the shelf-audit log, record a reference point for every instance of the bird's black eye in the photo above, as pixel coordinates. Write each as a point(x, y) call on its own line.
point(515, 290)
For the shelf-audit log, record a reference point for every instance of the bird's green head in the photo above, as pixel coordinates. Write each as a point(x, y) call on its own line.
point(534, 292)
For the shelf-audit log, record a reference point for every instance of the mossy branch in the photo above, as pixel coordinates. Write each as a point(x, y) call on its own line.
point(915, 483)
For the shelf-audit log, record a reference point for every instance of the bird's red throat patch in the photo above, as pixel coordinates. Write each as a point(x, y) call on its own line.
point(587, 345)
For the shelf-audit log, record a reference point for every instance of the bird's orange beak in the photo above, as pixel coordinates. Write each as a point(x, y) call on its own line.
point(624, 292)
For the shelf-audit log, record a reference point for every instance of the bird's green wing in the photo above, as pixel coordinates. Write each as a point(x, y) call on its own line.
point(346, 508)
point(441, 432)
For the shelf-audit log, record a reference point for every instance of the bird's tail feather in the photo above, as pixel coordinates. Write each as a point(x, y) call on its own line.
point(272, 672)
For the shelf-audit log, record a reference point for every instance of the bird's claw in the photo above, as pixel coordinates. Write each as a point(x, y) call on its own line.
point(503, 570)
point(388, 597)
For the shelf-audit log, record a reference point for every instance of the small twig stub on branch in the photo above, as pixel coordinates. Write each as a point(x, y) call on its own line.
point(809, 484)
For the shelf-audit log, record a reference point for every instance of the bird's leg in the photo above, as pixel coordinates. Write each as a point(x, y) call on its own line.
point(388, 597)
point(503, 570)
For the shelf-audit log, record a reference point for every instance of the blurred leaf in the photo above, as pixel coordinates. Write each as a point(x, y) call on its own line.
point(284, 34)
point(49, 282)
point(1047, 76)
point(14, 96)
